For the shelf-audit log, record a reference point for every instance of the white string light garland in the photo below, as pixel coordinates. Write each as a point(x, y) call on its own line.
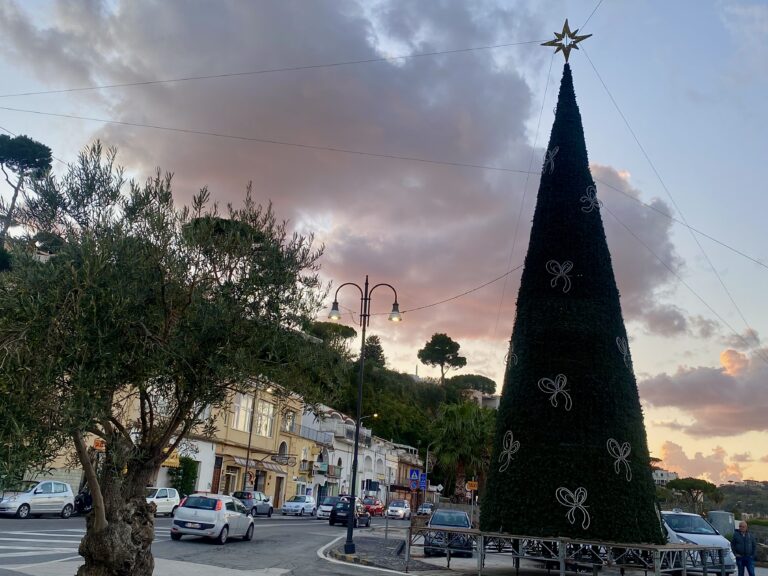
point(510, 447)
point(549, 160)
point(574, 501)
point(620, 452)
point(556, 388)
point(623, 346)
point(590, 197)
point(560, 271)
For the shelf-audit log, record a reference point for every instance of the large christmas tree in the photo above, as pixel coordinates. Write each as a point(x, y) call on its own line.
point(571, 456)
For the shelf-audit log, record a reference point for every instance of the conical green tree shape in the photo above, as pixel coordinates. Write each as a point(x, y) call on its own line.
point(570, 454)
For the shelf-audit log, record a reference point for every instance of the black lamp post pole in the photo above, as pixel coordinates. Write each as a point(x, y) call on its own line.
point(365, 307)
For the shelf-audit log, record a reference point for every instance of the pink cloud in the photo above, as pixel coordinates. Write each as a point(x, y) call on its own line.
point(724, 401)
point(713, 467)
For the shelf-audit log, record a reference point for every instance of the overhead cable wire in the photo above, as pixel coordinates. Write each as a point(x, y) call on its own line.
point(525, 191)
point(373, 155)
point(263, 140)
point(759, 352)
point(457, 296)
point(581, 28)
point(669, 194)
point(270, 70)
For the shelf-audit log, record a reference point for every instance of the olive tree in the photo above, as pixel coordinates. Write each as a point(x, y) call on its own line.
point(138, 326)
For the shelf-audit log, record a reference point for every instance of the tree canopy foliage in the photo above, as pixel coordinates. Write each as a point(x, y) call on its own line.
point(26, 159)
point(693, 490)
point(141, 323)
point(442, 351)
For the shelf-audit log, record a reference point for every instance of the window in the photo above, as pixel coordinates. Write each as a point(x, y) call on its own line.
point(265, 418)
point(45, 488)
point(289, 422)
point(231, 506)
point(59, 488)
point(162, 493)
point(242, 410)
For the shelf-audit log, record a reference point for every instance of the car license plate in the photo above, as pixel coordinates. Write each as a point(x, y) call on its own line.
point(193, 525)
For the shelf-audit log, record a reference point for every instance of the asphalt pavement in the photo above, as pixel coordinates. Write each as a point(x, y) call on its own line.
point(281, 545)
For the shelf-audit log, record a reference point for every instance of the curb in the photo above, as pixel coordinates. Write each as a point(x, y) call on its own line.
point(351, 558)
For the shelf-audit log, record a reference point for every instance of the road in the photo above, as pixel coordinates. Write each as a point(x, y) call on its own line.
point(280, 545)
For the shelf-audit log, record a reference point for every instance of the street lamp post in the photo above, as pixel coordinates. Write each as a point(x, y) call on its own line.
point(365, 317)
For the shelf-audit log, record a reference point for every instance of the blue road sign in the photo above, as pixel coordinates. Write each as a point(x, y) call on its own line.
point(423, 481)
point(414, 484)
point(414, 475)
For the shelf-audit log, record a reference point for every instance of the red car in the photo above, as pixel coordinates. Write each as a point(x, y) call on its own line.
point(374, 506)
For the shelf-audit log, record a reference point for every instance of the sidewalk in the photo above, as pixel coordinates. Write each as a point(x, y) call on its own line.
point(372, 550)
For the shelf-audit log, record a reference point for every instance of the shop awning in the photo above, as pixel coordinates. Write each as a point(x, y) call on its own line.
point(260, 465)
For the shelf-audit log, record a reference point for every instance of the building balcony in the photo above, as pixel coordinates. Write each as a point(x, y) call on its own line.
point(319, 436)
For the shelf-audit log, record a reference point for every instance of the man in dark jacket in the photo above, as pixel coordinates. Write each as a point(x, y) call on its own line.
point(744, 548)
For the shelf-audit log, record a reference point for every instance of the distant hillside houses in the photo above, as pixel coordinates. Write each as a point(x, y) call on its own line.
point(662, 477)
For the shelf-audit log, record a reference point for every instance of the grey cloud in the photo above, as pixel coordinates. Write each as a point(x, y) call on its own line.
point(744, 341)
point(725, 401)
point(743, 457)
point(432, 230)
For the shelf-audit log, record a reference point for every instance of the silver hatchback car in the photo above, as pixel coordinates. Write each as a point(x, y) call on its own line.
point(36, 498)
point(212, 516)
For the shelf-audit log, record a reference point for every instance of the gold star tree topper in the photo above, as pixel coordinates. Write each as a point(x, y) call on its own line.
point(566, 40)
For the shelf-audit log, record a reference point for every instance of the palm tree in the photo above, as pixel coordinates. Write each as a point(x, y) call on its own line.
point(463, 436)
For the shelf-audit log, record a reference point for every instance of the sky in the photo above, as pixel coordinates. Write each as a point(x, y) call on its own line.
point(422, 171)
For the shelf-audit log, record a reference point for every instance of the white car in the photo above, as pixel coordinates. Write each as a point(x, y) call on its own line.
point(35, 498)
point(399, 509)
point(324, 510)
point(166, 499)
point(686, 528)
point(212, 516)
point(300, 505)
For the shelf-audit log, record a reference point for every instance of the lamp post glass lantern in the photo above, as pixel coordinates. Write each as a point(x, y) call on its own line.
point(365, 317)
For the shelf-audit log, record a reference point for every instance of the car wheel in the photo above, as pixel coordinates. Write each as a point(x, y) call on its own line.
point(66, 512)
point(283, 513)
point(369, 522)
point(175, 536)
point(222, 539)
point(301, 511)
point(331, 523)
point(314, 511)
point(23, 511)
point(269, 514)
point(254, 511)
point(427, 552)
point(248, 533)
point(354, 522)
point(173, 512)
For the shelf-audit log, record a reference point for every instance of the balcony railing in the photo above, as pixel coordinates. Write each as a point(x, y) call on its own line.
point(325, 438)
point(333, 471)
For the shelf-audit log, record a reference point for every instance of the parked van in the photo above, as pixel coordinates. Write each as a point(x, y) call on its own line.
point(685, 528)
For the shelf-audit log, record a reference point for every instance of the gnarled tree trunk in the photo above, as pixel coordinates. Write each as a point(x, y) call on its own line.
point(123, 548)
point(120, 530)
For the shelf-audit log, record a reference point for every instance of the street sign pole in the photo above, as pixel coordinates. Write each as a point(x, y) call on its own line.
point(386, 516)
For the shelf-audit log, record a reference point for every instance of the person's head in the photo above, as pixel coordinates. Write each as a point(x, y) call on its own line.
point(742, 526)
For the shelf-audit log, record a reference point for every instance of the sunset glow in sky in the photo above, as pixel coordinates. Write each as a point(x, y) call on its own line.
point(422, 171)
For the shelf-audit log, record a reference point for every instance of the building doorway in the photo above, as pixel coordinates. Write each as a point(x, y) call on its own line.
point(278, 492)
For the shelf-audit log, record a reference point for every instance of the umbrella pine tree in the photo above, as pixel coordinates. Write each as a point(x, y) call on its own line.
point(570, 454)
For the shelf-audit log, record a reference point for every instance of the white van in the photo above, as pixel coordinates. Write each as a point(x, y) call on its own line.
point(685, 528)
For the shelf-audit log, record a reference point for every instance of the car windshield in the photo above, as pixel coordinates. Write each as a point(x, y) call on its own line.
point(343, 505)
point(298, 499)
point(397, 504)
point(688, 524)
point(200, 503)
point(369, 501)
point(450, 518)
point(426, 506)
point(150, 492)
point(330, 501)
